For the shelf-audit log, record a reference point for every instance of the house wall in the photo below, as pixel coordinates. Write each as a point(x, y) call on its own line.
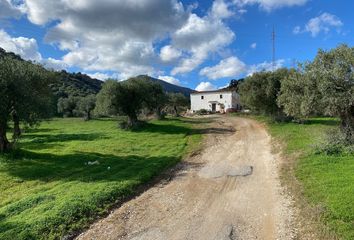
point(229, 99)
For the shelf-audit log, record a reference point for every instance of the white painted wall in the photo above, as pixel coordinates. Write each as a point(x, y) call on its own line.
point(230, 99)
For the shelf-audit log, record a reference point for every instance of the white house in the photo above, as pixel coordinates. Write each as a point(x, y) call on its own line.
point(215, 101)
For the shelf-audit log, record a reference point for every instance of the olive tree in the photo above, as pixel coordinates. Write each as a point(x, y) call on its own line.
point(299, 95)
point(67, 106)
point(24, 96)
point(334, 71)
point(86, 105)
point(259, 91)
point(126, 98)
point(155, 99)
point(176, 101)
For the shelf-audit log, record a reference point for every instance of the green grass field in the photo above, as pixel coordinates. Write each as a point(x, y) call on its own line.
point(328, 180)
point(47, 188)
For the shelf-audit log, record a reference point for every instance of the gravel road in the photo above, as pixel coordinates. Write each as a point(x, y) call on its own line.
point(229, 191)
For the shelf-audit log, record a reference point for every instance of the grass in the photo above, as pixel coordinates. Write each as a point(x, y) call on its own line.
point(327, 180)
point(48, 189)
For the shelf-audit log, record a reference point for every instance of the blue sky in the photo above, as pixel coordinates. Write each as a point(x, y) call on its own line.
point(198, 44)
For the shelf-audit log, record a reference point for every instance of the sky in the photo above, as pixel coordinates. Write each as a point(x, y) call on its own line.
point(197, 44)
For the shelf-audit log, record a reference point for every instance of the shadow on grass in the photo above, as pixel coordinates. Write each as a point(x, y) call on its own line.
point(38, 130)
point(47, 167)
point(194, 120)
point(328, 122)
point(61, 137)
point(173, 129)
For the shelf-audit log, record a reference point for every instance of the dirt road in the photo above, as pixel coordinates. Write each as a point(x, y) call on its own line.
point(230, 190)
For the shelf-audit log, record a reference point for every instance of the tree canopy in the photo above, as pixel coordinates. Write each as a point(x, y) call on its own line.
point(24, 95)
point(176, 102)
point(129, 98)
point(325, 85)
point(259, 91)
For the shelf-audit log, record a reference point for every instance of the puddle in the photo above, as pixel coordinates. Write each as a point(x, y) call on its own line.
point(243, 171)
point(222, 170)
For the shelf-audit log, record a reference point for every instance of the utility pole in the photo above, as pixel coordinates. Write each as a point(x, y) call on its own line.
point(273, 51)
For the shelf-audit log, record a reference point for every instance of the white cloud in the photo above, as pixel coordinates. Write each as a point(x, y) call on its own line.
point(322, 23)
point(198, 38)
point(205, 86)
point(242, 11)
point(123, 36)
point(102, 76)
point(54, 64)
point(229, 67)
point(265, 66)
point(169, 54)
point(297, 30)
point(253, 45)
point(270, 5)
point(170, 79)
point(109, 35)
point(27, 48)
point(9, 10)
point(220, 9)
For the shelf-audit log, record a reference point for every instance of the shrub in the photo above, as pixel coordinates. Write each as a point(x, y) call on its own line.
point(335, 143)
point(202, 112)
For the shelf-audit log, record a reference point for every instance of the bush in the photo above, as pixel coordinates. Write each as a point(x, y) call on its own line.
point(335, 143)
point(202, 112)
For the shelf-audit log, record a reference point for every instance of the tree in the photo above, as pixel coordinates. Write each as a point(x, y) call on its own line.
point(86, 105)
point(234, 84)
point(67, 106)
point(299, 95)
point(24, 96)
point(155, 98)
point(334, 72)
point(259, 92)
point(126, 98)
point(177, 101)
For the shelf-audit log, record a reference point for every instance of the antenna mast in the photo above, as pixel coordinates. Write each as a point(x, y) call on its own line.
point(273, 50)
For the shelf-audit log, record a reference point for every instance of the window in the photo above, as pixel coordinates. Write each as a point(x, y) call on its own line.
point(202, 97)
point(220, 96)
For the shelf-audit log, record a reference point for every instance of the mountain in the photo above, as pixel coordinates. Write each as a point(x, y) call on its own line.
point(67, 84)
point(168, 87)
point(75, 84)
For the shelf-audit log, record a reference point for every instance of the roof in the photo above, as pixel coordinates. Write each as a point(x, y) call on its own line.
point(213, 91)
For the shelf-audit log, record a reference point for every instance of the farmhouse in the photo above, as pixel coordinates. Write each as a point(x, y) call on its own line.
point(215, 101)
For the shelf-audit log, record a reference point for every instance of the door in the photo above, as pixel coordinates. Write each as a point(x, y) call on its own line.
point(213, 107)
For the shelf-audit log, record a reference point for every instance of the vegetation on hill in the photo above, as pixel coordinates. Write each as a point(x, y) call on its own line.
point(69, 171)
point(75, 84)
point(167, 87)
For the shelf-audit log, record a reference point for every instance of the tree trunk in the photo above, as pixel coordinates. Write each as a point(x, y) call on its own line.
point(176, 111)
point(132, 121)
point(17, 130)
point(4, 143)
point(347, 125)
point(87, 116)
point(158, 114)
